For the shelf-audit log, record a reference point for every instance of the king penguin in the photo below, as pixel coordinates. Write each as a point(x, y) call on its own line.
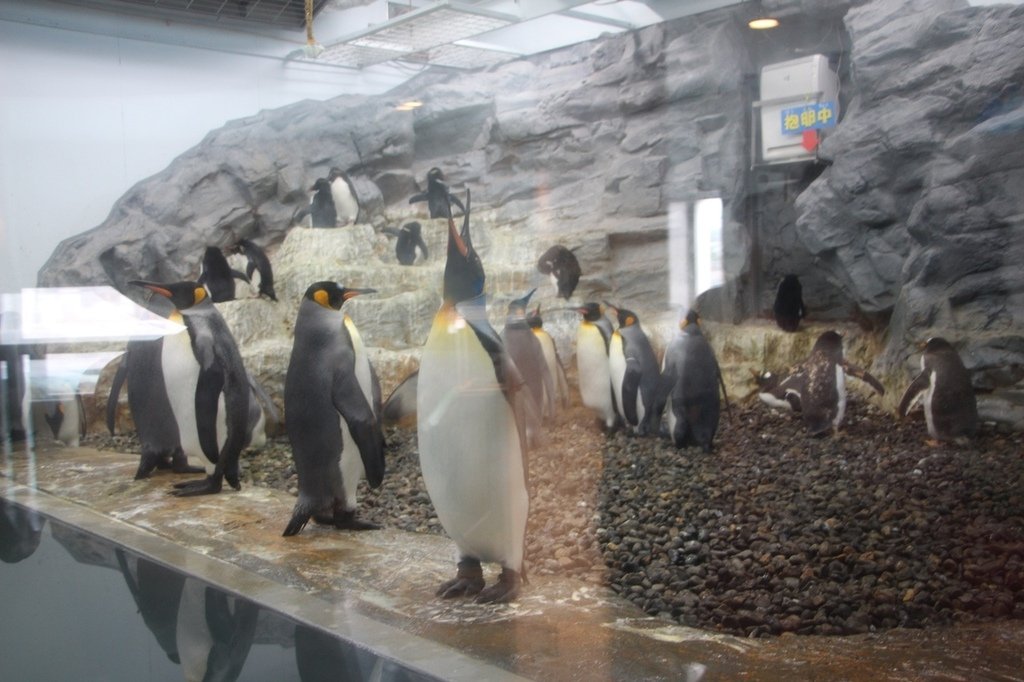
point(635, 374)
point(343, 193)
point(821, 384)
point(439, 199)
point(329, 407)
point(207, 386)
point(257, 267)
point(945, 391)
point(551, 358)
point(691, 377)
point(471, 441)
point(593, 338)
point(789, 304)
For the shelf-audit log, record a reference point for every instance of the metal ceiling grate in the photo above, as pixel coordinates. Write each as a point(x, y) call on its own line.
point(289, 14)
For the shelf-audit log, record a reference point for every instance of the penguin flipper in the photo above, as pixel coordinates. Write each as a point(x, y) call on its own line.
point(913, 393)
point(115, 393)
point(240, 275)
point(208, 390)
point(422, 196)
point(423, 246)
point(864, 376)
point(351, 404)
point(630, 388)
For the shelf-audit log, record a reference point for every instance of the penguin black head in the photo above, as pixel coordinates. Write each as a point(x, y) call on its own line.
point(518, 306)
point(335, 173)
point(627, 318)
point(591, 312)
point(434, 175)
point(830, 343)
point(321, 185)
point(183, 295)
point(463, 272)
point(332, 295)
point(691, 318)
point(937, 344)
point(412, 228)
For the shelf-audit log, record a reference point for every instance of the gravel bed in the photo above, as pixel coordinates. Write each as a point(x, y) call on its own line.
point(773, 532)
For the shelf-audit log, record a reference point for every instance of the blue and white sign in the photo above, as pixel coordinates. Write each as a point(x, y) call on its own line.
point(796, 120)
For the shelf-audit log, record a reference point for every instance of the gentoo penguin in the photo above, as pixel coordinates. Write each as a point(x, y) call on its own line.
point(691, 377)
point(635, 374)
point(592, 342)
point(789, 304)
point(217, 275)
point(257, 267)
point(945, 390)
point(329, 402)
point(439, 199)
point(400, 407)
point(214, 632)
point(551, 359)
point(524, 348)
point(321, 209)
point(781, 391)
point(821, 384)
point(561, 264)
point(471, 442)
point(207, 386)
point(343, 192)
point(409, 239)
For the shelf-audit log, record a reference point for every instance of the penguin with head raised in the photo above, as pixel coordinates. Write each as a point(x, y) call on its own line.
point(691, 379)
point(207, 386)
point(555, 368)
point(789, 304)
point(439, 199)
point(218, 277)
point(635, 374)
point(593, 338)
point(343, 193)
point(257, 267)
point(564, 268)
point(329, 403)
point(944, 389)
point(321, 209)
point(409, 239)
point(471, 439)
point(524, 348)
point(821, 384)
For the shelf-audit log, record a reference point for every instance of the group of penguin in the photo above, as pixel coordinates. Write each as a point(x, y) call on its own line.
point(480, 398)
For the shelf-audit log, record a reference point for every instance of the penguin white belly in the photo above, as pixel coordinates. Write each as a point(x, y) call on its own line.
point(594, 372)
point(770, 400)
point(929, 417)
point(344, 203)
point(351, 464)
point(181, 377)
point(547, 345)
point(69, 431)
point(617, 369)
point(841, 392)
point(363, 374)
point(470, 453)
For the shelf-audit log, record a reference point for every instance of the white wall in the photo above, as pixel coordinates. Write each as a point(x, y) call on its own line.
point(84, 116)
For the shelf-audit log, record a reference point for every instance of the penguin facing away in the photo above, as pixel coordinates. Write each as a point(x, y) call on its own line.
point(524, 348)
point(257, 267)
point(207, 386)
point(321, 209)
point(217, 275)
point(564, 268)
point(691, 378)
point(409, 239)
point(789, 304)
point(635, 374)
point(343, 193)
point(945, 391)
point(439, 199)
point(551, 358)
point(821, 384)
point(593, 338)
point(471, 441)
point(333, 428)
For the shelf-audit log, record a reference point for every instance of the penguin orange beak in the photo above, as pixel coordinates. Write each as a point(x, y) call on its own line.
point(352, 293)
point(460, 243)
point(152, 286)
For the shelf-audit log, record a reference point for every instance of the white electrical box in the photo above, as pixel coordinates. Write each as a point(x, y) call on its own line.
point(797, 96)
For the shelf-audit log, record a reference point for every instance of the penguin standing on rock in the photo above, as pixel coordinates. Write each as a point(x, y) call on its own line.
point(321, 209)
point(218, 277)
point(329, 402)
point(257, 267)
point(593, 338)
point(471, 440)
point(691, 378)
point(821, 384)
point(439, 199)
point(635, 374)
point(207, 386)
point(561, 264)
point(343, 194)
point(789, 304)
point(945, 391)
point(409, 239)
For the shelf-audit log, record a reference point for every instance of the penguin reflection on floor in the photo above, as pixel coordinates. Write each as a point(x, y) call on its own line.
point(593, 338)
point(439, 199)
point(257, 267)
point(691, 379)
point(471, 442)
point(561, 264)
point(205, 378)
point(218, 277)
point(944, 389)
point(343, 194)
point(635, 374)
point(329, 404)
point(789, 304)
point(409, 239)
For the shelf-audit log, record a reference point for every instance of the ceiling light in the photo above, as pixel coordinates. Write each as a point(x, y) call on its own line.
point(762, 23)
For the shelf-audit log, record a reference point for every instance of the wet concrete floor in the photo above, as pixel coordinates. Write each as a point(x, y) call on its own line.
point(377, 588)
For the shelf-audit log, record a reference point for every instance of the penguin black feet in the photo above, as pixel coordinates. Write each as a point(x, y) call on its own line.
point(469, 581)
point(344, 519)
point(505, 590)
point(206, 486)
point(298, 522)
